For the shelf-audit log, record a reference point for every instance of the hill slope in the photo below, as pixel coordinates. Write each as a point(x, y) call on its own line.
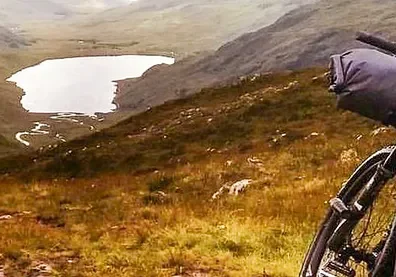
point(7, 147)
point(178, 132)
point(149, 209)
point(304, 37)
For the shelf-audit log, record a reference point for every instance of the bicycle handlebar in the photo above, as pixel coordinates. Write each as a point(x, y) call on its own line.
point(376, 41)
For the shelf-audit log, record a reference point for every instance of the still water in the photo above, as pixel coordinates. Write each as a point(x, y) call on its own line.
point(81, 85)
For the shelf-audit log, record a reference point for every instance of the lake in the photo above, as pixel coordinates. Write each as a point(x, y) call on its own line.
point(81, 85)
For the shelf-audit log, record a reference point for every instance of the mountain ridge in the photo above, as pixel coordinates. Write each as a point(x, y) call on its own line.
point(302, 38)
point(166, 26)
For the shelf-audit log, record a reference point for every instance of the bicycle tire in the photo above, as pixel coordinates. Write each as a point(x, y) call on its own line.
point(351, 187)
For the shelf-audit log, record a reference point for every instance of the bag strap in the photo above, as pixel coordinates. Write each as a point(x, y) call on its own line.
point(338, 84)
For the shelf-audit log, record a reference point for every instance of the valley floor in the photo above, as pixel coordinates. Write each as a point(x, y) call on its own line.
point(136, 199)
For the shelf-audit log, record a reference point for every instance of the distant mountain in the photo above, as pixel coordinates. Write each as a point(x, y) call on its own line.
point(182, 26)
point(302, 38)
point(18, 11)
point(89, 6)
point(14, 13)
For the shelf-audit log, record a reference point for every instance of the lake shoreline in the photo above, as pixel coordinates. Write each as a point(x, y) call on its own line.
point(15, 118)
point(80, 84)
point(83, 87)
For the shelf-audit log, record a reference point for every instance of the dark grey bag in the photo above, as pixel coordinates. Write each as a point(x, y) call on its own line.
point(365, 83)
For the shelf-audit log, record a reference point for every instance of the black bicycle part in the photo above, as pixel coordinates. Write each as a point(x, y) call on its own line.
point(350, 190)
point(376, 41)
point(385, 261)
point(352, 215)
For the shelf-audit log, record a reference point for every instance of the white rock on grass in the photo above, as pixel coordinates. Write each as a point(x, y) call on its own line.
point(229, 163)
point(254, 161)
point(312, 135)
point(41, 270)
point(234, 189)
point(6, 217)
point(239, 186)
point(220, 192)
point(380, 131)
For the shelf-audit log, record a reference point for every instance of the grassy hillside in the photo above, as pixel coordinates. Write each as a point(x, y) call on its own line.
point(136, 199)
point(7, 147)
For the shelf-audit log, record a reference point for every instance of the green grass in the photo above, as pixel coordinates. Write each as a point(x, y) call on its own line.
point(136, 199)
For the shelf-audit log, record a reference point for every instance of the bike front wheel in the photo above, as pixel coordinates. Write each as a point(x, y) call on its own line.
point(366, 240)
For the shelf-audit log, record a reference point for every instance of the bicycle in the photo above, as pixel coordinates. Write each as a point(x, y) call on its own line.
point(358, 235)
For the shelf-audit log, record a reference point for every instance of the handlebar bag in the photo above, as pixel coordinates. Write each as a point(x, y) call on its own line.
point(364, 81)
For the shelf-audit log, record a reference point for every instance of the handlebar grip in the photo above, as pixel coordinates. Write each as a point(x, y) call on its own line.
point(376, 41)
